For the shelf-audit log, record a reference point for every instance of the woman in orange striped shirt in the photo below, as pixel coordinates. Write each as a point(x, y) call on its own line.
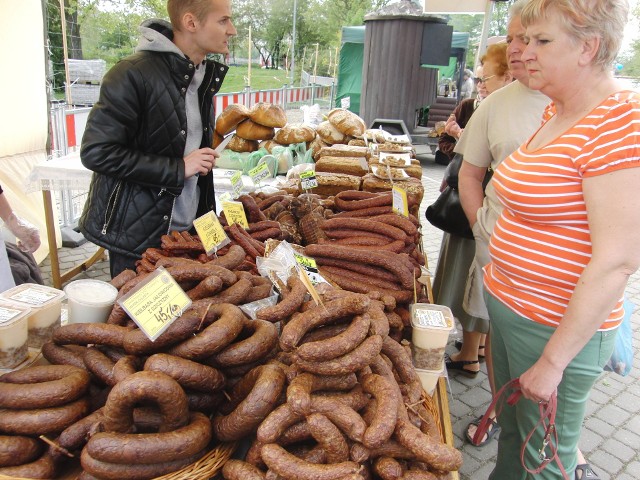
point(569, 235)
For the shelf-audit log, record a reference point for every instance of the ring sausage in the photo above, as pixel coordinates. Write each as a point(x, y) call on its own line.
point(353, 361)
point(136, 341)
point(328, 437)
point(384, 420)
point(43, 421)
point(148, 448)
point(239, 470)
point(62, 355)
point(188, 374)
point(146, 386)
point(90, 333)
point(339, 345)
point(44, 467)
point(263, 339)
point(291, 467)
point(43, 386)
point(267, 382)
point(17, 450)
point(286, 307)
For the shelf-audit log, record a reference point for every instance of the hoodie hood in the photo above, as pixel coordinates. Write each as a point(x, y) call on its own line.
point(156, 36)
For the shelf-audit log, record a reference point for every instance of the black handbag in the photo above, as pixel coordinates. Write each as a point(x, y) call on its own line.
point(446, 212)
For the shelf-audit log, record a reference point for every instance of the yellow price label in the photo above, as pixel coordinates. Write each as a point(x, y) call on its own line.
point(211, 232)
point(259, 173)
point(155, 303)
point(307, 263)
point(400, 204)
point(234, 212)
point(236, 183)
point(308, 179)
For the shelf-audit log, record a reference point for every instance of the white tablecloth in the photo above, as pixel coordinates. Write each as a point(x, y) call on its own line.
point(64, 173)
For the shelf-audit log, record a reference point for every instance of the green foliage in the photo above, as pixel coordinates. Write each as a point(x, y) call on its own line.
point(261, 78)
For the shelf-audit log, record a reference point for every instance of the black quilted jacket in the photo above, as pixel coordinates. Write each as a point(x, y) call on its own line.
point(134, 143)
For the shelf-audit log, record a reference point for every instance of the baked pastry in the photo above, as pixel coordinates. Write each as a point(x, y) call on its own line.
point(350, 165)
point(230, 117)
point(333, 183)
point(330, 134)
point(345, 151)
point(268, 114)
point(347, 122)
point(250, 130)
point(239, 144)
point(295, 133)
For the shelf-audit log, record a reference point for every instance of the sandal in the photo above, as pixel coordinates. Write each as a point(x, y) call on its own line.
point(460, 364)
point(586, 472)
point(481, 355)
point(492, 431)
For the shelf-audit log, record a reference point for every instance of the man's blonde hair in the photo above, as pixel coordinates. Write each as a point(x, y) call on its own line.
point(177, 9)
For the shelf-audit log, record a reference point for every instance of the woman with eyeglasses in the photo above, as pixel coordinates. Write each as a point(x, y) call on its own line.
point(456, 253)
point(568, 237)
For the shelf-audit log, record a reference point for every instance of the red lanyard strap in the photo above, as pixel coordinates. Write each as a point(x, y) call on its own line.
point(547, 419)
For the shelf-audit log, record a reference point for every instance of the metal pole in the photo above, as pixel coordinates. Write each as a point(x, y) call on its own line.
point(293, 42)
point(486, 24)
point(63, 25)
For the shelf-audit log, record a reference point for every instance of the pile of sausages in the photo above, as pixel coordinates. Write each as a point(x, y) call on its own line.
point(352, 402)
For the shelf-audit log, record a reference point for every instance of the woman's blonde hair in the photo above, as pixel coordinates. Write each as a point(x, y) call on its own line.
point(177, 9)
point(497, 53)
point(584, 19)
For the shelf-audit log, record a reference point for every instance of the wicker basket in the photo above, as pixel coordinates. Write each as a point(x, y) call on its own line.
point(205, 468)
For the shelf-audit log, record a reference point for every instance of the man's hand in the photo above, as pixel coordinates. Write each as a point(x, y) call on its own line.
point(452, 128)
point(200, 161)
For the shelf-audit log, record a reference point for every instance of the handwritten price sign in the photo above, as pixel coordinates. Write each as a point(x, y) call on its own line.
point(308, 179)
point(211, 232)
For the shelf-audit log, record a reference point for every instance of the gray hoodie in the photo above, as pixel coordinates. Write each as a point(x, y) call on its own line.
point(155, 36)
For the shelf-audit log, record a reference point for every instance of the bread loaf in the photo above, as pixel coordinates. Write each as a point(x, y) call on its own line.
point(250, 130)
point(333, 183)
point(330, 134)
point(230, 117)
point(412, 170)
point(356, 142)
point(268, 145)
point(295, 133)
point(350, 165)
point(268, 115)
point(239, 144)
point(347, 122)
point(316, 146)
point(413, 187)
point(345, 151)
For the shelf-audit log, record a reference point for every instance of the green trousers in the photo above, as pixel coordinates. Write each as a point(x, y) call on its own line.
point(516, 344)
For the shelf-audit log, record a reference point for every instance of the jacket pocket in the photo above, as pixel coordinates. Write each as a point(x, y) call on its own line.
point(112, 205)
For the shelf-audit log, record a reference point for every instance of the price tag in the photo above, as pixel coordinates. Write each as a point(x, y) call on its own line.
point(211, 233)
point(236, 183)
point(400, 204)
point(234, 211)
point(155, 303)
point(309, 284)
point(225, 197)
point(310, 267)
point(308, 179)
point(259, 173)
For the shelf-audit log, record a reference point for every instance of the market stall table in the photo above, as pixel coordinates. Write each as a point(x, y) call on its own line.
point(64, 173)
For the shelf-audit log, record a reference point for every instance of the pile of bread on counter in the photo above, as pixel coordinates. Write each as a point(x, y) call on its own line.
point(314, 390)
point(347, 155)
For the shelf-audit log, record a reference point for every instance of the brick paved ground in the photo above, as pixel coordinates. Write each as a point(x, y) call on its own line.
point(611, 434)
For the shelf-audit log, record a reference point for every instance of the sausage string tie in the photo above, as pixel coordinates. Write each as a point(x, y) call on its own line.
point(202, 319)
point(56, 446)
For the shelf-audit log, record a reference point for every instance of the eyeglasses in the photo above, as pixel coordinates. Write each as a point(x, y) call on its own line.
point(483, 79)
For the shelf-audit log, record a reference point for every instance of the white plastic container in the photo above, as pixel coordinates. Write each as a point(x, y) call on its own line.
point(14, 332)
point(429, 378)
point(431, 327)
point(89, 301)
point(45, 304)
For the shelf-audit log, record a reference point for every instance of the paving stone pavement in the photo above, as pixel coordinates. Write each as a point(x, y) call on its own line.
point(611, 435)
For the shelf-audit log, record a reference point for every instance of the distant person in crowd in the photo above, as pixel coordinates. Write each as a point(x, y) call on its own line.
point(500, 125)
point(568, 237)
point(456, 252)
point(148, 138)
point(17, 264)
point(466, 90)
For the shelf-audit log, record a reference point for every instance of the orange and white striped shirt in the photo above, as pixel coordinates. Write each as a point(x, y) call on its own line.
point(541, 242)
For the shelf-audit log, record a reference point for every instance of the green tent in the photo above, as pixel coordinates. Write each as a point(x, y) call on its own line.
point(350, 67)
point(352, 56)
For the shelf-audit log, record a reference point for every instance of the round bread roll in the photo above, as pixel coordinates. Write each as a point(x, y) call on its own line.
point(295, 133)
point(250, 130)
point(330, 134)
point(268, 115)
point(239, 144)
point(347, 122)
point(268, 145)
point(230, 117)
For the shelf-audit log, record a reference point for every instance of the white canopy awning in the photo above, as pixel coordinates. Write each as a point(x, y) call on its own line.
point(455, 6)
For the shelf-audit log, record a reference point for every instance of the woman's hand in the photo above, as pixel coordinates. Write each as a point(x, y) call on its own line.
point(452, 128)
point(540, 381)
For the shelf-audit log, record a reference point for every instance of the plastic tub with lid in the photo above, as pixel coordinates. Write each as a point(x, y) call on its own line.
point(89, 300)
point(14, 332)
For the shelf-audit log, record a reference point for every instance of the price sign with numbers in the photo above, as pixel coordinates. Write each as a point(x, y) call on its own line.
point(225, 197)
point(155, 303)
point(400, 204)
point(259, 173)
point(211, 232)
point(236, 183)
point(310, 266)
point(234, 212)
point(308, 179)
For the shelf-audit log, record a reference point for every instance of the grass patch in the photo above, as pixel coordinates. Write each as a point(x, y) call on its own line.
point(261, 78)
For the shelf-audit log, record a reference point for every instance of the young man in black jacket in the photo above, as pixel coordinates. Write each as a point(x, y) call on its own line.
point(148, 137)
